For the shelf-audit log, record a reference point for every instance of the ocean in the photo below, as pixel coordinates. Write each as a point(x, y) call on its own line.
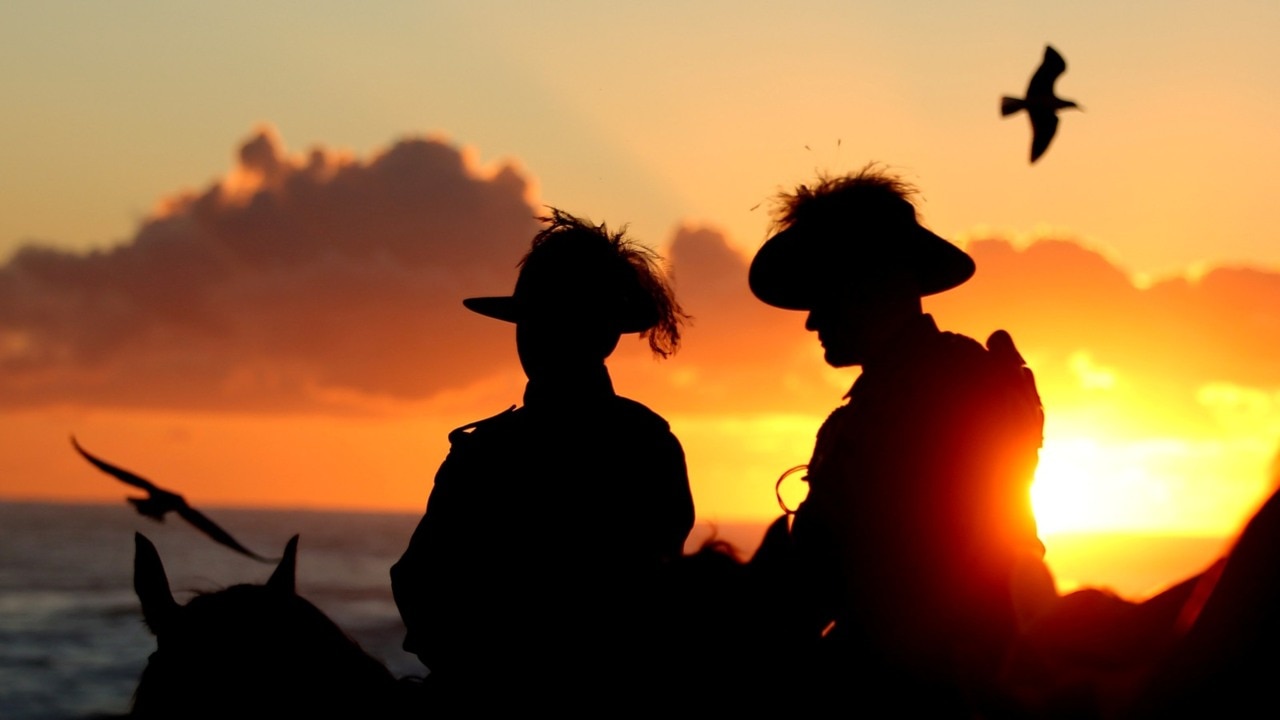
point(72, 640)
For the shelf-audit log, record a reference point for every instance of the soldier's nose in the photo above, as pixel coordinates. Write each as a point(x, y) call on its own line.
point(811, 321)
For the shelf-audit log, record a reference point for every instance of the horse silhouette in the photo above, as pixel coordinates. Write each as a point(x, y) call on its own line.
point(253, 651)
point(725, 638)
point(737, 635)
point(1205, 647)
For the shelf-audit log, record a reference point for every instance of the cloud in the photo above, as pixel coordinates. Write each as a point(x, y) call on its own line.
point(1242, 407)
point(1158, 344)
point(326, 282)
point(288, 280)
point(1103, 348)
point(738, 354)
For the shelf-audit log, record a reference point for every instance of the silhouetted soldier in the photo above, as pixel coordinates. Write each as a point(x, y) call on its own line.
point(526, 582)
point(918, 520)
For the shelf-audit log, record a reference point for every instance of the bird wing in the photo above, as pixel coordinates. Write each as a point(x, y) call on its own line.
point(1042, 82)
point(214, 531)
point(1010, 105)
point(1044, 124)
point(120, 473)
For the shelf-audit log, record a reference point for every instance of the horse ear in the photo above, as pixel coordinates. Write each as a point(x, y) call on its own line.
point(283, 577)
point(152, 585)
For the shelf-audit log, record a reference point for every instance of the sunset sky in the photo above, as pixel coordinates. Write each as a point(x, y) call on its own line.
point(234, 237)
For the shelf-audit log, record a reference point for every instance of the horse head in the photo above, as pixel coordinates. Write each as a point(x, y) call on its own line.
point(258, 650)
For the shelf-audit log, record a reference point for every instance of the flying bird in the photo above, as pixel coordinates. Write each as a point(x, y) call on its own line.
point(160, 502)
point(1041, 104)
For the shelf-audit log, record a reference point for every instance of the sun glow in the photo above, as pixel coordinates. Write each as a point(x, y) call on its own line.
point(1161, 486)
point(1079, 487)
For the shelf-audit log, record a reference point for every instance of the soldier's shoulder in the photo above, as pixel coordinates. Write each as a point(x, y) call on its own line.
point(967, 367)
point(636, 412)
point(497, 423)
point(959, 353)
point(999, 350)
point(959, 343)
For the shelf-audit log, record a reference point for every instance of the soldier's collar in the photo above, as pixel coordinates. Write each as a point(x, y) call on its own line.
point(580, 387)
point(903, 344)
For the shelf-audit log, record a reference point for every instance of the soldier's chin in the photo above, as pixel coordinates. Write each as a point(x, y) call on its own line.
point(837, 357)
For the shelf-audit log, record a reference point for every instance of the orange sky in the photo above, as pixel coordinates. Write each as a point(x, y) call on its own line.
point(292, 335)
point(288, 332)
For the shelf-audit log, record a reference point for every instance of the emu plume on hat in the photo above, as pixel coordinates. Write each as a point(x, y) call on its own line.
point(849, 238)
point(574, 275)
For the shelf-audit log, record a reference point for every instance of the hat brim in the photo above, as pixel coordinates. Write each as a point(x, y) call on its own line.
point(508, 308)
point(502, 308)
point(793, 269)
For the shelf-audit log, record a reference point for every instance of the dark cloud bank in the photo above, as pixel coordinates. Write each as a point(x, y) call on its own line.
point(289, 279)
point(297, 281)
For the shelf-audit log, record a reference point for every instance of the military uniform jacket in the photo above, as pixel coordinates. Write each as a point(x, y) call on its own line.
point(543, 529)
point(919, 501)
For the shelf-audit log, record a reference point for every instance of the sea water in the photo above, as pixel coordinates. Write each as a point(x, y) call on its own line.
point(72, 639)
point(73, 643)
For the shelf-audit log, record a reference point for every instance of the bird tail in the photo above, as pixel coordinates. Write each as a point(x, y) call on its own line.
point(1010, 105)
